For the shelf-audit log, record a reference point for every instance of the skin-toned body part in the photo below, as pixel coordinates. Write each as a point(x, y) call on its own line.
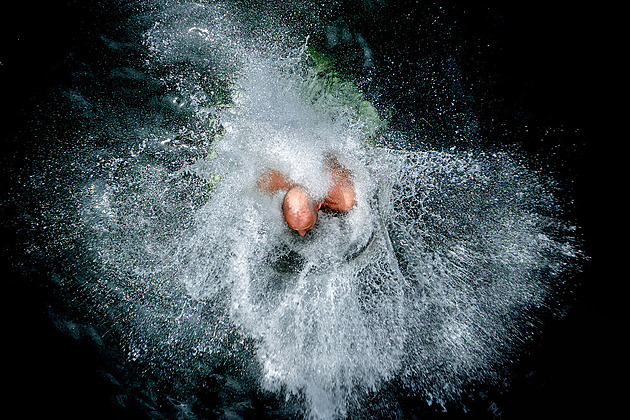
point(300, 210)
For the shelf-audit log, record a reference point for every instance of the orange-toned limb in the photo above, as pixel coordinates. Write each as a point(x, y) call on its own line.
point(341, 195)
point(272, 181)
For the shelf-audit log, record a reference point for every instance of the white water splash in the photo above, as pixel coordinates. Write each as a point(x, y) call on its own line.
point(433, 279)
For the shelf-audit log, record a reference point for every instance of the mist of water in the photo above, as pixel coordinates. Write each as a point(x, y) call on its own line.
point(433, 281)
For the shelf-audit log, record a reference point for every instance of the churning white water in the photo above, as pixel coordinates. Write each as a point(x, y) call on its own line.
point(433, 280)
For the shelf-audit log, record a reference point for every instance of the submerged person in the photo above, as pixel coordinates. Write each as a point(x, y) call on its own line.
point(299, 208)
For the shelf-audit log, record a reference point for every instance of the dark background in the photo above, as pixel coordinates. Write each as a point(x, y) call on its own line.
point(550, 68)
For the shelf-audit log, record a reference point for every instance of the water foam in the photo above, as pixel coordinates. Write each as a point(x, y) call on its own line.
point(434, 279)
